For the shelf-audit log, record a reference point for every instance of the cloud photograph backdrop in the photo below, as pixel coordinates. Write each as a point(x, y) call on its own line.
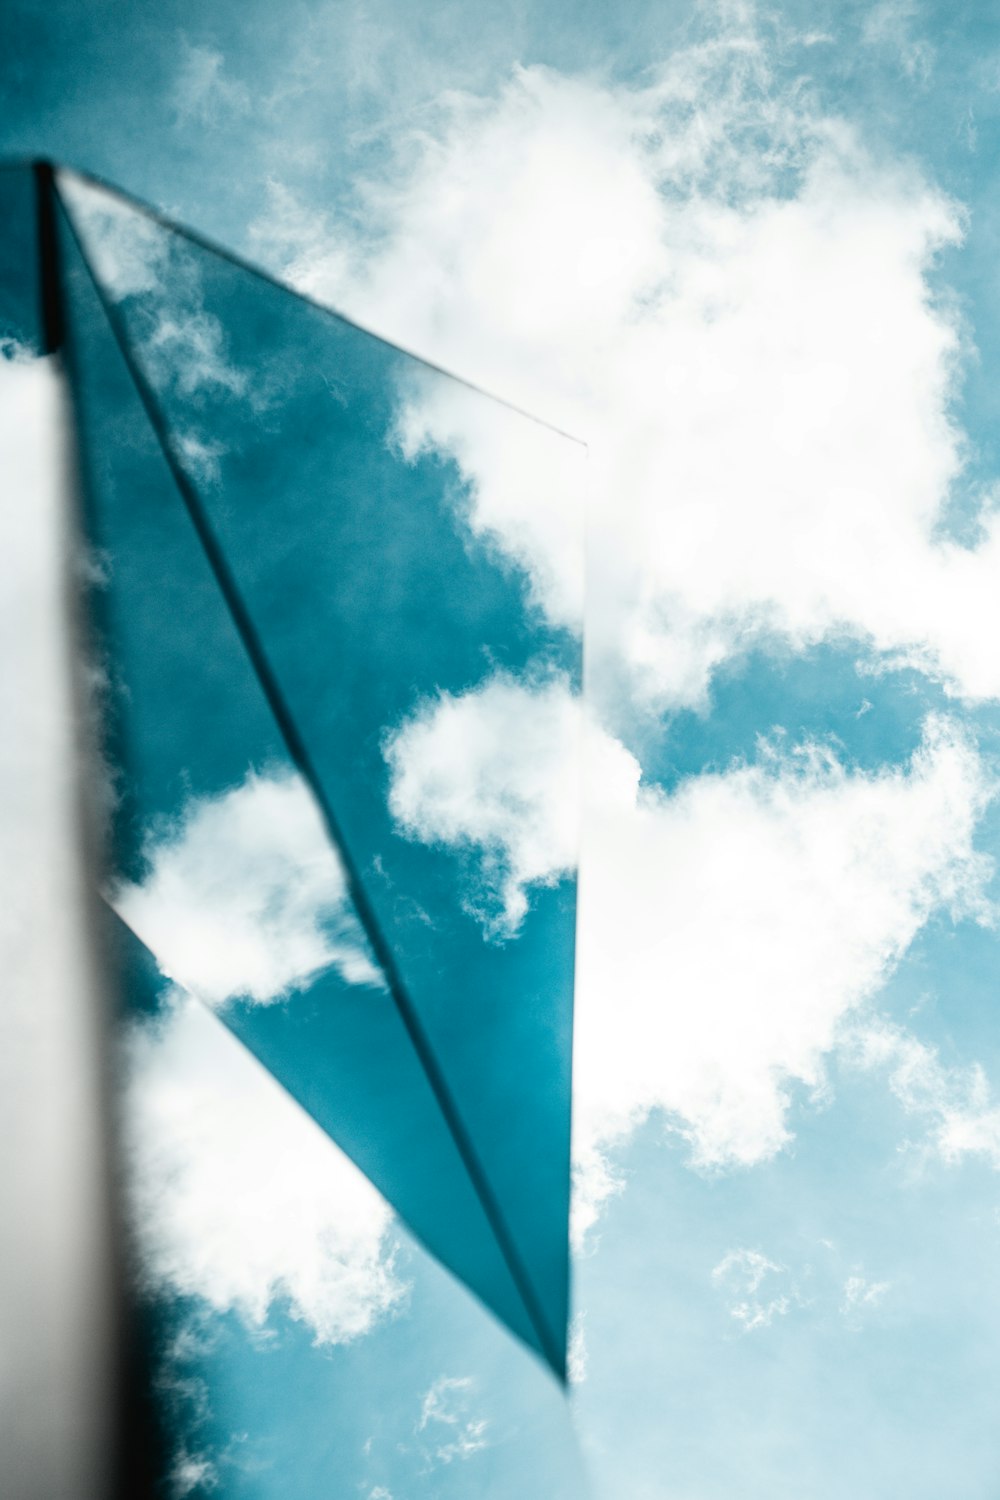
point(502, 805)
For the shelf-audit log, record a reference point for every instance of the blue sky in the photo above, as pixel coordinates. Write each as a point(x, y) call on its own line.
point(748, 256)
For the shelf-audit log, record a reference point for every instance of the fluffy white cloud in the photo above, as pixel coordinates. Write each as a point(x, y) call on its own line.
point(496, 771)
point(730, 299)
point(245, 896)
point(237, 1197)
point(726, 929)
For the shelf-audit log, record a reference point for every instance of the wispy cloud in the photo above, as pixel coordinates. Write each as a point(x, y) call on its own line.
point(890, 25)
point(861, 1297)
point(956, 1103)
point(448, 1423)
point(203, 89)
point(751, 1284)
point(758, 1292)
point(181, 344)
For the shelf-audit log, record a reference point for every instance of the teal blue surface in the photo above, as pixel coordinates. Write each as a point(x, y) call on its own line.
point(367, 594)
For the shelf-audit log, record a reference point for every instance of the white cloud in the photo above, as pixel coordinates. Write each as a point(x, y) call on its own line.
point(237, 1197)
point(495, 771)
point(719, 288)
point(245, 896)
point(528, 501)
point(957, 1103)
point(725, 930)
point(447, 1422)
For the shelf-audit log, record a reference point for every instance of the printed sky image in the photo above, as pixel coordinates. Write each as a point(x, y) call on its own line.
point(545, 638)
